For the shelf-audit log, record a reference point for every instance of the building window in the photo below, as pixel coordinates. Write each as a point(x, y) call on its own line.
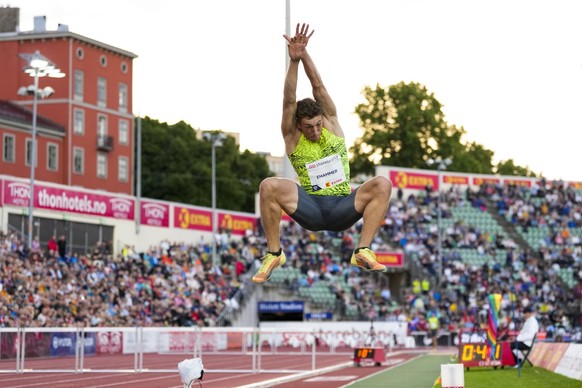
point(101, 125)
point(122, 97)
point(101, 92)
point(79, 126)
point(28, 152)
point(123, 169)
point(8, 149)
point(124, 67)
point(103, 60)
point(78, 161)
point(101, 165)
point(123, 132)
point(52, 160)
point(80, 53)
point(79, 85)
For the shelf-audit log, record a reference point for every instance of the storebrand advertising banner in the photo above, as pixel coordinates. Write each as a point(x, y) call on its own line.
point(72, 201)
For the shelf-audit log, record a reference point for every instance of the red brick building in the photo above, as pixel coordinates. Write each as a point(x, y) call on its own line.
point(85, 130)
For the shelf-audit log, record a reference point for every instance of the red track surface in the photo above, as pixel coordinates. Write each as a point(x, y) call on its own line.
point(343, 375)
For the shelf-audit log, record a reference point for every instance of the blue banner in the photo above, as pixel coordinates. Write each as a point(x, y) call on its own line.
point(322, 316)
point(63, 344)
point(281, 307)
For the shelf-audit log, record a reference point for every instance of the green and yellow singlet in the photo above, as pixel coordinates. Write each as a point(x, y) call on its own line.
point(322, 167)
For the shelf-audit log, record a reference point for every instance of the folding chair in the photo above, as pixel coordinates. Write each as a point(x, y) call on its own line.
point(525, 353)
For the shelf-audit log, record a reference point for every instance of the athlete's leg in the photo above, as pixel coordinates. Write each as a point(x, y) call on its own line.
point(372, 199)
point(276, 195)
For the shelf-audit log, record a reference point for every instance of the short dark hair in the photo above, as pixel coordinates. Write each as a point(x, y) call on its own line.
point(307, 108)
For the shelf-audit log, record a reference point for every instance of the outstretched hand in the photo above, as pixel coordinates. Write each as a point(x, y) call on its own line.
point(298, 43)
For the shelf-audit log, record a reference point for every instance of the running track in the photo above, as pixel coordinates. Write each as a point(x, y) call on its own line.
point(332, 371)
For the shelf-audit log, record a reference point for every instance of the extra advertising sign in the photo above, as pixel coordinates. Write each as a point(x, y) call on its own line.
point(189, 218)
point(237, 224)
point(198, 219)
point(390, 259)
point(413, 180)
point(63, 200)
point(155, 214)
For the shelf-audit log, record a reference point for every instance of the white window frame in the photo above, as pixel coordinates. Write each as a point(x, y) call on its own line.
point(123, 97)
point(123, 169)
point(28, 152)
point(101, 165)
point(102, 125)
point(9, 155)
point(79, 152)
point(102, 92)
point(79, 121)
point(49, 162)
point(79, 85)
point(123, 132)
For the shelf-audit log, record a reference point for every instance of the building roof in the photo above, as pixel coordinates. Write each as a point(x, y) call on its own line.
point(22, 117)
point(32, 35)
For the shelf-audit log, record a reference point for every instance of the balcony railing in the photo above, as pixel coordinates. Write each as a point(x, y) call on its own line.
point(104, 143)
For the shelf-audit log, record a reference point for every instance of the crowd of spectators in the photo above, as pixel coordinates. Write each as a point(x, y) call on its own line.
point(168, 285)
point(527, 277)
point(175, 284)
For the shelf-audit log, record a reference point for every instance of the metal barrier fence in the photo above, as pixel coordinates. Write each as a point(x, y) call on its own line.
point(159, 349)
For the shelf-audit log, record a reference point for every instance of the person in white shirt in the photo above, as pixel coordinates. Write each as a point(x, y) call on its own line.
point(528, 331)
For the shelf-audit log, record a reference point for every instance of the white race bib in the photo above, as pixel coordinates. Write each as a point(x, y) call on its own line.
point(326, 172)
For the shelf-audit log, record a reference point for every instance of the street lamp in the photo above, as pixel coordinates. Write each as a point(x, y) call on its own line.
point(216, 138)
point(37, 66)
point(441, 165)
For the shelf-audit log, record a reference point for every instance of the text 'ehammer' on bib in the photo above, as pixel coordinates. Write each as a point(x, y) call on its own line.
point(326, 172)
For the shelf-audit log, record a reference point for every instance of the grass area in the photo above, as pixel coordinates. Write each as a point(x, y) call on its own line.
point(422, 372)
point(528, 377)
point(419, 373)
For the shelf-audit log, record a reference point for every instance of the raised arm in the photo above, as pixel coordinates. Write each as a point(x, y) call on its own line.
point(296, 47)
point(321, 95)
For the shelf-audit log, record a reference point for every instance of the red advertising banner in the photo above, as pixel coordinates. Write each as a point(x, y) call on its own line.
point(109, 342)
point(187, 218)
point(479, 181)
point(390, 259)
point(236, 224)
point(517, 182)
point(155, 214)
point(413, 180)
point(51, 198)
point(455, 180)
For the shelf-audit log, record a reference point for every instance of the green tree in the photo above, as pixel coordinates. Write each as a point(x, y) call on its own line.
point(508, 167)
point(404, 126)
point(176, 166)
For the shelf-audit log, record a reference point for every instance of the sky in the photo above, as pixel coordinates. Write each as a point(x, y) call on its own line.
point(508, 71)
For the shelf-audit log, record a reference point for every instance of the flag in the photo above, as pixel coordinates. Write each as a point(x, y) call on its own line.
point(493, 323)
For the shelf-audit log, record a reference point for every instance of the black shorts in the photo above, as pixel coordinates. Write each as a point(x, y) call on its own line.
point(326, 212)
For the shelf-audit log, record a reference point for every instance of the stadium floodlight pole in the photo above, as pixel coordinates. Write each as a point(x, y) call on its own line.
point(441, 165)
point(37, 66)
point(216, 139)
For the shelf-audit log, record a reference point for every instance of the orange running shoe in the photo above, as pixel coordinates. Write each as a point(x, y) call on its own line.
point(270, 263)
point(366, 259)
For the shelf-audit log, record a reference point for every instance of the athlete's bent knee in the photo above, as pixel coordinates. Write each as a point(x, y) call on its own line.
point(383, 185)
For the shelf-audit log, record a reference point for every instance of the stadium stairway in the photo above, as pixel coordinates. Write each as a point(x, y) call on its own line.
point(507, 226)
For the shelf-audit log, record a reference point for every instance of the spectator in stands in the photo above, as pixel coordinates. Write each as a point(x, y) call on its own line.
point(62, 247)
